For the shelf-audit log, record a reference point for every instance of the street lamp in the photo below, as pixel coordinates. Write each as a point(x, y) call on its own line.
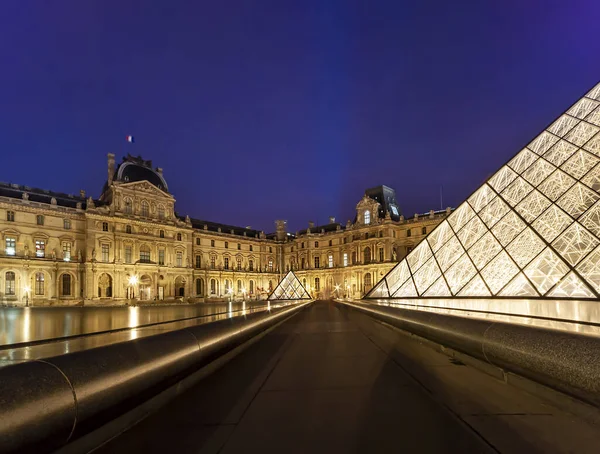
point(27, 290)
point(132, 282)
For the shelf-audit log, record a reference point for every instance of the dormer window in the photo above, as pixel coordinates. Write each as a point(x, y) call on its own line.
point(105, 226)
point(367, 217)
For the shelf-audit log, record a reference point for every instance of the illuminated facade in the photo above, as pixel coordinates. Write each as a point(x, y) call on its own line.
point(532, 230)
point(129, 244)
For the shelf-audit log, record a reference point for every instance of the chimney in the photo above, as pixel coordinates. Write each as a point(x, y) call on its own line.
point(159, 170)
point(280, 229)
point(331, 220)
point(111, 167)
point(82, 194)
point(311, 225)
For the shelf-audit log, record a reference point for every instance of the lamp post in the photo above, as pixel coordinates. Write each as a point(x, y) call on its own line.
point(132, 282)
point(27, 290)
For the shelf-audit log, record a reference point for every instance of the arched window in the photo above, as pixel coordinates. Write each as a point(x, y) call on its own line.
point(127, 229)
point(39, 283)
point(367, 255)
point(66, 284)
point(367, 217)
point(227, 285)
point(251, 287)
point(317, 284)
point(161, 212)
point(128, 206)
point(199, 287)
point(367, 281)
point(239, 286)
point(9, 283)
point(213, 287)
point(145, 209)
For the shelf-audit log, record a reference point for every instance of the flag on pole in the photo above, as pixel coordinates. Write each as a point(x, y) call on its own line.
point(130, 139)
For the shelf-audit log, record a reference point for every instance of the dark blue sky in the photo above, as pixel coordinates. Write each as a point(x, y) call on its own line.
point(259, 110)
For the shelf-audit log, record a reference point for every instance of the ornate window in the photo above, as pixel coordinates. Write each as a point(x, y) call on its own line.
point(212, 243)
point(317, 284)
point(367, 217)
point(128, 206)
point(161, 257)
point(66, 248)
point(105, 251)
point(11, 246)
point(179, 258)
point(161, 233)
point(179, 237)
point(66, 284)
point(199, 287)
point(381, 254)
point(197, 241)
point(105, 227)
point(40, 248)
point(40, 219)
point(226, 263)
point(270, 266)
point(67, 224)
point(39, 283)
point(239, 286)
point(226, 245)
point(128, 254)
point(251, 265)
point(9, 283)
point(239, 264)
point(145, 209)
point(317, 260)
point(330, 261)
point(367, 255)
point(144, 254)
point(10, 216)
point(213, 286)
point(198, 261)
point(161, 212)
point(345, 259)
point(128, 229)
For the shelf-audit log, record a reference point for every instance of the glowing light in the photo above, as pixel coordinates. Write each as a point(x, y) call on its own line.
point(133, 280)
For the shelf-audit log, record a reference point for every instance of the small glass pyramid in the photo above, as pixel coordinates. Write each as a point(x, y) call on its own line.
point(532, 230)
point(289, 288)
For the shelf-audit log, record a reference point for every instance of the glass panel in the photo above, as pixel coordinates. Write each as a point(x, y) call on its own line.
point(551, 223)
point(379, 291)
point(525, 247)
point(534, 204)
point(484, 250)
point(439, 236)
point(499, 272)
point(579, 164)
point(461, 216)
point(556, 185)
point(519, 286)
point(593, 146)
point(471, 232)
point(590, 269)
point(592, 179)
point(563, 125)
point(481, 197)
point(591, 219)
point(575, 243)
point(407, 290)
point(560, 152)
point(397, 276)
point(493, 212)
point(516, 191)
point(447, 255)
point(538, 172)
point(582, 107)
point(426, 275)
point(542, 142)
point(508, 228)
point(594, 93)
point(475, 287)
point(577, 200)
point(439, 288)
point(522, 161)
point(460, 273)
point(594, 117)
point(419, 256)
point(581, 133)
point(502, 178)
point(546, 270)
point(571, 287)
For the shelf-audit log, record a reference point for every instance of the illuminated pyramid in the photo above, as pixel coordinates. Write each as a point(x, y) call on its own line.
point(532, 230)
point(289, 288)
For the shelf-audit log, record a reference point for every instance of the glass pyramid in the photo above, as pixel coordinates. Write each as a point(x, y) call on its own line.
point(532, 230)
point(290, 288)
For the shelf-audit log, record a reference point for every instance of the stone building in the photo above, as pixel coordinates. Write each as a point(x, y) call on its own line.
point(130, 244)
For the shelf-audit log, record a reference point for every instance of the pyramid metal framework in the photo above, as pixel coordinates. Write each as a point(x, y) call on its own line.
point(289, 288)
point(532, 230)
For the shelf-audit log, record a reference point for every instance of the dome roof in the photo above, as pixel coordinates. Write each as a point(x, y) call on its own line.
point(136, 169)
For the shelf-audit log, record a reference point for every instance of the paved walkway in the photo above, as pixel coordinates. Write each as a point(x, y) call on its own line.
point(333, 381)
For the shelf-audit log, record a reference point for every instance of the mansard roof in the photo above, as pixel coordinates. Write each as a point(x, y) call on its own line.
point(16, 191)
point(225, 228)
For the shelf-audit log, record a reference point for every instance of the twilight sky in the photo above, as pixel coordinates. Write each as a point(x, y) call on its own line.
point(272, 109)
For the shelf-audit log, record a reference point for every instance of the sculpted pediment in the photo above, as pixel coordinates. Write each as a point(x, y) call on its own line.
point(146, 188)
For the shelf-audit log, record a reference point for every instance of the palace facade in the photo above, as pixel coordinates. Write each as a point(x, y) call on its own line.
point(130, 244)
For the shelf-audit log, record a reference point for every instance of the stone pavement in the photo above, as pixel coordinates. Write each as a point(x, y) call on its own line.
point(333, 381)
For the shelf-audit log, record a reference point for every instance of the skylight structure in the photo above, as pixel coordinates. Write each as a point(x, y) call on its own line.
point(289, 288)
point(532, 230)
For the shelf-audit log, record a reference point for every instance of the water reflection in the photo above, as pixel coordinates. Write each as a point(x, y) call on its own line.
point(26, 324)
point(567, 315)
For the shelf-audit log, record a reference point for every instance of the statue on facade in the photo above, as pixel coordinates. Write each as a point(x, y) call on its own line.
point(53, 254)
point(394, 257)
point(79, 255)
point(26, 251)
point(25, 196)
point(94, 254)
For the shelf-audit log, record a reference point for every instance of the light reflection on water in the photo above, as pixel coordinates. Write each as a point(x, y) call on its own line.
point(25, 324)
point(579, 316)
